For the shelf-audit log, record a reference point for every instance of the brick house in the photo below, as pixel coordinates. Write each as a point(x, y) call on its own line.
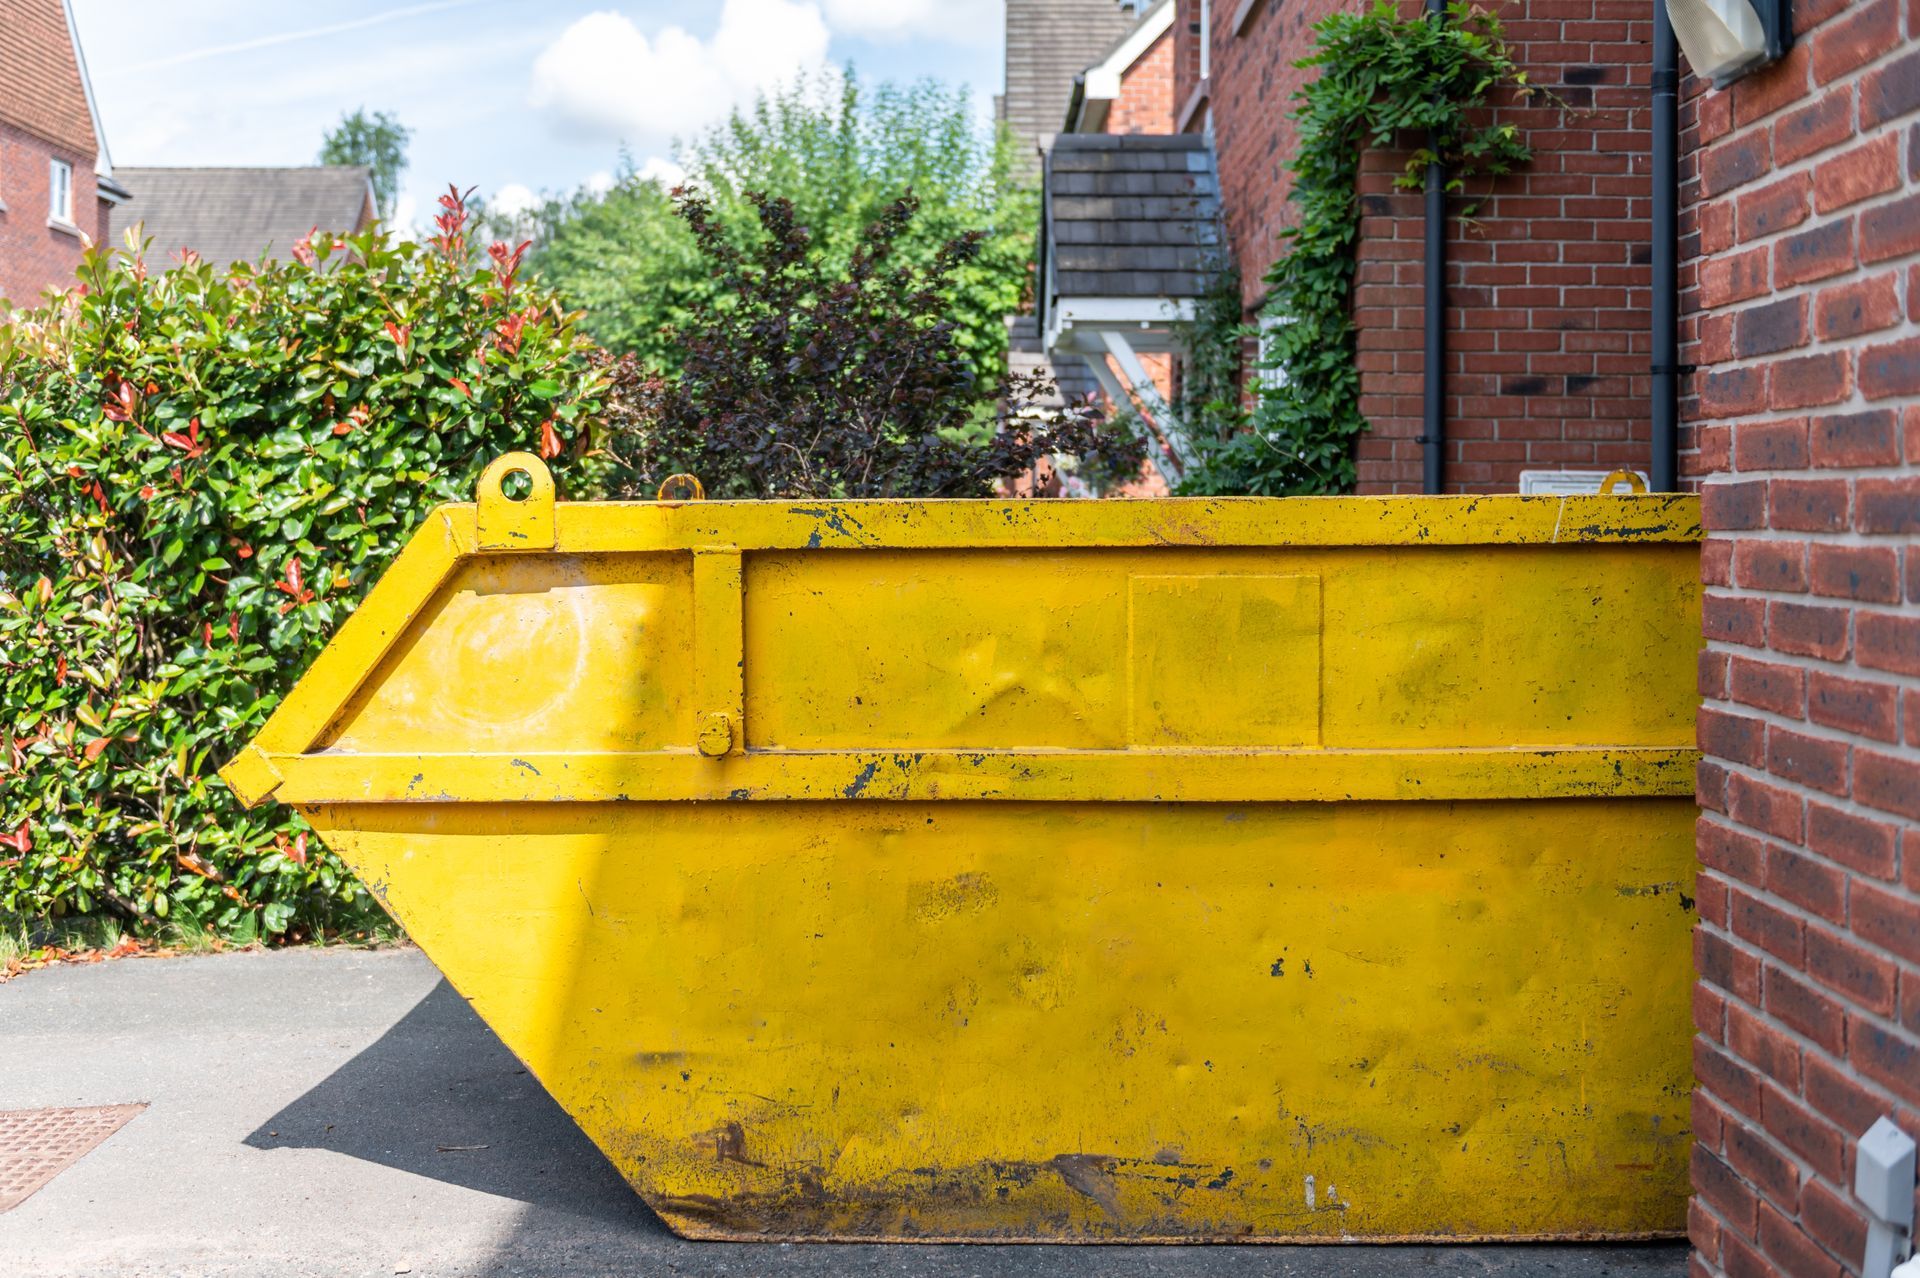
point(56, 178)
point(59, 191)
point(1129, 243)
point(1796, 270)
point(1048, 43)
point(1130, 89)
point(1128, 238)
point(1129, 234)
point(1800, 277)
point(1547, 295)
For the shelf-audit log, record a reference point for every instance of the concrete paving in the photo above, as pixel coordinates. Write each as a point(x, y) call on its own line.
point(316, 1113)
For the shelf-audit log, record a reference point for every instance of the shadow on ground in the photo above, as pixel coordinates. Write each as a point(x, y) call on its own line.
point(439, 1083)
point(439, 1096)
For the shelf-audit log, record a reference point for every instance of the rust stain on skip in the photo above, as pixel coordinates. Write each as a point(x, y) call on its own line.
point(1218, 870)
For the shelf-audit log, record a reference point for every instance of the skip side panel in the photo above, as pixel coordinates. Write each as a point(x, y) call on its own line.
point(1081, 1022)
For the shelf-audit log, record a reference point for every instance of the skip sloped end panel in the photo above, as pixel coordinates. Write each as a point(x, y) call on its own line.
point(1074, 1022)
point(535, 653)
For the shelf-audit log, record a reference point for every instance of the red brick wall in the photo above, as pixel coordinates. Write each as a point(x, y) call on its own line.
point(1801, 271)
point(1146, 104)
point(1548, 342)
point(1547, 295)
point(1251, 86)
point(33, 255)
point(1186, 61)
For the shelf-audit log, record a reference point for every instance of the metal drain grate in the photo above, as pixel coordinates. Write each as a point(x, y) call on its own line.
point(38, 1144)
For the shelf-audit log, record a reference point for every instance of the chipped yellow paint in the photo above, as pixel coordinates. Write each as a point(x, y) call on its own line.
point(1183, 870)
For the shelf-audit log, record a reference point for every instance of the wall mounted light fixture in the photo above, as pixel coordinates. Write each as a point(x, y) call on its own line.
point(1726, 39)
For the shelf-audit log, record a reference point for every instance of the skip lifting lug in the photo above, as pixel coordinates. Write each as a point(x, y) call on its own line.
point(508, 523)
point(681, 488)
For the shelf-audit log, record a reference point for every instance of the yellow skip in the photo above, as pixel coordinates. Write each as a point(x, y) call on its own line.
point(1054, 871)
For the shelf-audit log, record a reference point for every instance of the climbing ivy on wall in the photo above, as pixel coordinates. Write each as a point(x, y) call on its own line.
point(1381, 75)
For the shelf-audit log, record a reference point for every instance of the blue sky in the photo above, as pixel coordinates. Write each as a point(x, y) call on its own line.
point(504, 94)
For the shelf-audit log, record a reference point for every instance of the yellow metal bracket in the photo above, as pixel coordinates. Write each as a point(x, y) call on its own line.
point(252, 776)
point(509, 524)
point(719, 658)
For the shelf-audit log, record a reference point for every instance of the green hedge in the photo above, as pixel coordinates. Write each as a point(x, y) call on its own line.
point(201, 472)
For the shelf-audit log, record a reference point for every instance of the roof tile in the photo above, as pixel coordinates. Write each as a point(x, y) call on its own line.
point(231, 215)
point(1132, 215)
point(40, 88)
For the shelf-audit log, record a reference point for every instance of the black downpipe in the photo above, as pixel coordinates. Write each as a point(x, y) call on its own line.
point(1666, 282)
point(1433, 410)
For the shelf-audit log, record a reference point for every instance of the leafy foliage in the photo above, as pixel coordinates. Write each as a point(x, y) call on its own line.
point(1380, 76)
point(200, 474)
point(624, 258)
point(378, 141)
point(1210, 403)
point(813, 381)
point(841, 153)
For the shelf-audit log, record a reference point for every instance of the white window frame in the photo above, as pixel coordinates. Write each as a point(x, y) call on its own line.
point(1267, 378)
point(60, 192)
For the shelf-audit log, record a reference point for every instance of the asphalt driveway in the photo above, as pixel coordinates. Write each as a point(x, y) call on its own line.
point(344, 1113)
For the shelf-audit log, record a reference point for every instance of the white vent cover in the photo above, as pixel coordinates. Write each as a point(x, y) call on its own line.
point(1566, 483)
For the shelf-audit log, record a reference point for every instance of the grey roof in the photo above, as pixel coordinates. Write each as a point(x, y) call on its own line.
point(1049, 42)
point(229, 215)
point(1131, 215)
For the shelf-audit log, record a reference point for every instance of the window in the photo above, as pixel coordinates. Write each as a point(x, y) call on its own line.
point(60, 191)
point(1269, 377)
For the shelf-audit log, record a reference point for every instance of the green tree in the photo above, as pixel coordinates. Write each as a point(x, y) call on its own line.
point(840, 153)
point(806, 380)
point(378, 141)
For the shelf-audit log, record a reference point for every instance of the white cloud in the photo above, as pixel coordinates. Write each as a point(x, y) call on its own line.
point(662, 170)
point(954, 21)
point(604, 78)
point(512, 200)
point(599, 182)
